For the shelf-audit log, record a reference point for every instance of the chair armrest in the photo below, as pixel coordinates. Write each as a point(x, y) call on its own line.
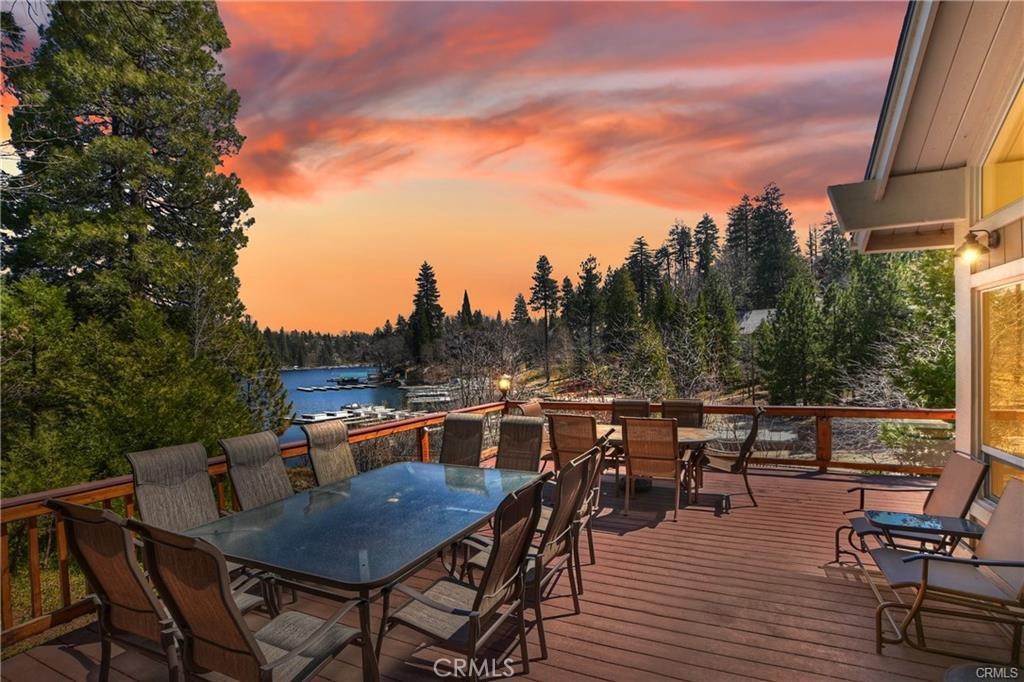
point(476, 542)
point(316, 635)
point(436, 605)
point(862, 489)
point(972, 561)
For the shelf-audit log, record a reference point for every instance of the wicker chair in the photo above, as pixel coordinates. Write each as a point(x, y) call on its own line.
point(733, 462)
point(256, 469)
point(687, 413)
point(128, 611)
point(952, 495)
point(329, 451)
point(519, 443)
point(556, 550)
point(463, 439)
point(629, 407)
point(652, 451)
point(989, 586)
point(192, 577)
point(462, 617)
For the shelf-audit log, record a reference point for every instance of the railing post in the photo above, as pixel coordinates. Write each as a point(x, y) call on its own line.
point(6, 609)
point(823, 441)
point(62, 563)
point(423, 441)
point(35, 586)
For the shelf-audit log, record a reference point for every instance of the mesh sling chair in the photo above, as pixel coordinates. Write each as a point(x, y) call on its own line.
point(952, 495)
point(556, 550)
point(329, 451)
point(192, 577)
point(988, 586)
point(590, 506)
point(128, 611)
point(629, 407)
point(571, 436)
point(732, 462)
point(519, 443)
point(256, 469)
point(462, 617)
point(172, 491)
point(688, 413)
point(652, 451)
point(532, 408)
point(463, 439)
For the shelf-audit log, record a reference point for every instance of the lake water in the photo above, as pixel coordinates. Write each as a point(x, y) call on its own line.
point(329, 401)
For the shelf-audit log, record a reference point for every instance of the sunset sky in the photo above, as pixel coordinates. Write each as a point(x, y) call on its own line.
point(479, 136)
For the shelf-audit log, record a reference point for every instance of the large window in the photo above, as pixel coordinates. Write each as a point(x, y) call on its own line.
point(1002, 384)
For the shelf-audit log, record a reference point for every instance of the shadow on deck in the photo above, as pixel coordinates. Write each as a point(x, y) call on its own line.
point(735, 597)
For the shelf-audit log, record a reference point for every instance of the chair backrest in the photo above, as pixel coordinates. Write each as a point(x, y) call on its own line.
point(256, 469)
point(192, 578)
point(329, 451)
point(515, 523)
point(651, 446)
point(103, 548)
point(463, 439)
point(172, 486)
point(570, 489)
point(531, 408)
point(747, 448)
point(571, 436)
point(1004, 539)
point(688, 413)
point(519, 443)
point(596, 468)
point(960, 481)
point(629, 407)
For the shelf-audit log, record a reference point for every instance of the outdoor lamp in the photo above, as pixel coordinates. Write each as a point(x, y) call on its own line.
point(972, 248)
point(504, 384)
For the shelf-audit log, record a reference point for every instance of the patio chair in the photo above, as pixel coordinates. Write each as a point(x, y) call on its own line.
point(462, 617)
point(128, 612)
point(688, 413)
point(988, 586)
point(556, 551)
point(652, 451)
point(519, 443)
point(590, 506)
point(531, 408)
point(732, 462)
point(952, 495)
point(256, 469)
point(329, 451)
point(571, 436)
point(192, 577)
point(463, 439)
point(629, 407)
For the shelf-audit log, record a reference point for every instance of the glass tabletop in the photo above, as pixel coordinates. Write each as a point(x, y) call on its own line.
point(369, 530)
point(925, 523)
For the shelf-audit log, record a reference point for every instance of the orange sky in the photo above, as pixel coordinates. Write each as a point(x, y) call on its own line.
point(478, 136)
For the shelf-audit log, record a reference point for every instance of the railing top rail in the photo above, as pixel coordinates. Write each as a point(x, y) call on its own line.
point(838, 411)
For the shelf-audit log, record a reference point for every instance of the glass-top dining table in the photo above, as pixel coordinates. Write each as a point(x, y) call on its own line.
point(368, 532)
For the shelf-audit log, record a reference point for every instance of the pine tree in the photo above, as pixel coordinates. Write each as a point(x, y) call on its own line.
point(544, 299)
point(835, 253)
point(705, 237)
point(720, 329)
point(520, 313)
point(641, 268)
point(466, 314)
point(774, 247)
point(589, 302)
point(681, 243)
point(622, 311)
point(739, 251)
point(427, 315)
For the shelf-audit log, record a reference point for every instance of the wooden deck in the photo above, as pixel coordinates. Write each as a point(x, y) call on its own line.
point(736, 597)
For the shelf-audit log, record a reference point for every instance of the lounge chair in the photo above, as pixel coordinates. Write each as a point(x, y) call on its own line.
point(519, 443)
point(462, 617)
point(732, 462)
point(330, 453)
point(127, 609)
point(256, 469)
point(652, 451)
point(192, 577)
point(988, 586)
point(463, 439)
point(952, 495)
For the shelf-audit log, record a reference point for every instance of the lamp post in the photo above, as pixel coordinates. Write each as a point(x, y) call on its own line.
point(504, 384)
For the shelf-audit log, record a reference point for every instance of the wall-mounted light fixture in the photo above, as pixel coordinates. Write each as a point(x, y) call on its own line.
point(504, 385)
point(971, 249)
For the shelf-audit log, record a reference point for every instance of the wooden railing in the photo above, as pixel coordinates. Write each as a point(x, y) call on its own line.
point(29, 509)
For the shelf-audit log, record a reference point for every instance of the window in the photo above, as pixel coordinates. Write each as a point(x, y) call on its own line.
point(1002, 173)
point(1002, 384)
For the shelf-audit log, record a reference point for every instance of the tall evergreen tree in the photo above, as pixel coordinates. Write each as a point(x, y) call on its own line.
point(622, 310)
point(705, 238)
point(589, 303)
point(466, 313)
point(640, 264)
point(774, 246)
point(739, 250)
point(544, 299)
point(681, 243)
point(520, 313)
point(835, 252)
point(427, 315)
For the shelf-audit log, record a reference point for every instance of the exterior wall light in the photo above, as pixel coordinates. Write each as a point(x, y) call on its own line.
point(504, 385)
point(971, 249)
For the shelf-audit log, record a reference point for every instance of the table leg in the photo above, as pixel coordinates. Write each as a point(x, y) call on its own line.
point(370, 671)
